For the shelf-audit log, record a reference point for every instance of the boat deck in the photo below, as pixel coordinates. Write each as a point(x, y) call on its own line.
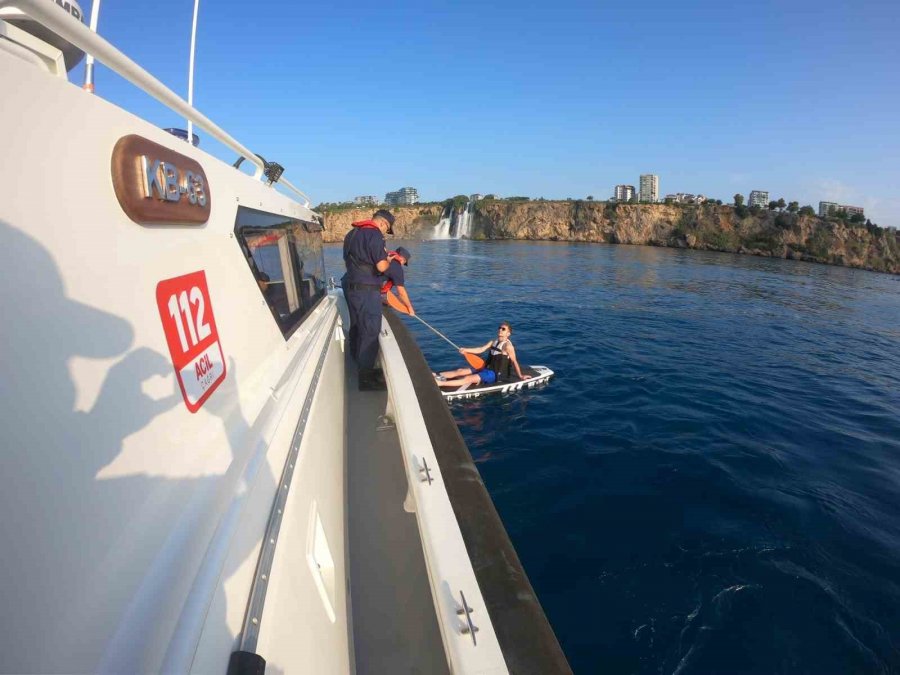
point(394, 625)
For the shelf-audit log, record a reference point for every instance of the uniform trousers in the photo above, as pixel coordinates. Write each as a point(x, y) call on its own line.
point(364, 304)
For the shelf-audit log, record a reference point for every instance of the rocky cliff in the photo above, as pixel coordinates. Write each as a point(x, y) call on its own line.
point(412, 222)
point(705, 227)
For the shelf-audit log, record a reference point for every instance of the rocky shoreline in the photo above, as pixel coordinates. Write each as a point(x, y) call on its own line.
point(708, 227)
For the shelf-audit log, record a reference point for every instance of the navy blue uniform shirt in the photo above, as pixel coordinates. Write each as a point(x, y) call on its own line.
point(395, 273)
point(363, 247)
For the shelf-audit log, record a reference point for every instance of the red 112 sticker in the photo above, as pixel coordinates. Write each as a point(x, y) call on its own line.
point(190, 327)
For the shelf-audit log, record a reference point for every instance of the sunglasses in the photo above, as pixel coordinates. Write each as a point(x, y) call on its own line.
point(502, 328)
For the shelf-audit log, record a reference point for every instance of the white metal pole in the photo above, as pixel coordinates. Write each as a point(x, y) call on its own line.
point(190, 126)
point(89, 62)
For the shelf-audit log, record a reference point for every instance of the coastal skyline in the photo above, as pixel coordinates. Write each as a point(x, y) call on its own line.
point(514, 100)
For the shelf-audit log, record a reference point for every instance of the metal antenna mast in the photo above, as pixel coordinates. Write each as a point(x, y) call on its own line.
point(190, 126)
point(89, 62)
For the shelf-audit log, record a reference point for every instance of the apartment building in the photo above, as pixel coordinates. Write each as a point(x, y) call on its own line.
point(830, 208)
point(758, 198)
point(649, 187)
point(405, 195)
point(827, 208)
point(624, 193)
point(685, 198)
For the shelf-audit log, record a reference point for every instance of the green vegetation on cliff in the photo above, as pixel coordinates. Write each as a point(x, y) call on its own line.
point(790, 231)
point(785, 231)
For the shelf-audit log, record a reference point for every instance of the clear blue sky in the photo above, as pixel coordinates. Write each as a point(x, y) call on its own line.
point(543, 99)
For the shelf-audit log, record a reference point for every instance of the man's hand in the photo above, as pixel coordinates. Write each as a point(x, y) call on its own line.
point(412, 312)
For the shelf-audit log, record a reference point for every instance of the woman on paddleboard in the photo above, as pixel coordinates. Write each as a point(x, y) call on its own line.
point(500, 364)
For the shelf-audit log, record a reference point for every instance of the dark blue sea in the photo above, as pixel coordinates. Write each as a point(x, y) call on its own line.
point(711, 482)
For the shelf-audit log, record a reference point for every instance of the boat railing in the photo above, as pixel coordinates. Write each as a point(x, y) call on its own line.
point(60, 22)
point(465, 543)
point(470, 642)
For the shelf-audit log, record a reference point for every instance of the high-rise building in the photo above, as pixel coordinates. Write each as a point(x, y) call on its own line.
point(366, 200)
point(758, 198)
point(405, 195)
point(649, 185)
point(853, 210)
point(624, 193)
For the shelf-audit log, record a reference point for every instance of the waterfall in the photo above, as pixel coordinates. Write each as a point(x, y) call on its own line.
point(464, 221)
point(442, 229)
point(455, 224)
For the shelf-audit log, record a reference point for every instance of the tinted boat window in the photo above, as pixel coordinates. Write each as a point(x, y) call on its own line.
point(285, 256)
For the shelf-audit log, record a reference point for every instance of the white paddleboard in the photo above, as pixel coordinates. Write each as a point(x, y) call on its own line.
point(536, 375)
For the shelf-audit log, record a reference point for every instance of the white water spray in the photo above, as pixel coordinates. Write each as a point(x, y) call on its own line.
point(455, 224)
point(442, 229)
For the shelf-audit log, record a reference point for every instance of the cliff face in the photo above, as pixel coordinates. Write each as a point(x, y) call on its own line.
point(410, 221)
point(705, 227)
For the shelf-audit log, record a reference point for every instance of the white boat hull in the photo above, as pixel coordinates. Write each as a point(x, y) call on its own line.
point(132, 526)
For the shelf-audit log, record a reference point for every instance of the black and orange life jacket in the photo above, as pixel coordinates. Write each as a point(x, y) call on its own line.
point(498, 360)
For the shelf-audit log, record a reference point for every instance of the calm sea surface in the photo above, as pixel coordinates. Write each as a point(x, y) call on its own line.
point(711, 482)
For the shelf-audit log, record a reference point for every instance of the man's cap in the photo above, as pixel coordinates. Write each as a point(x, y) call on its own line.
point(406, 254)
point(388, 216)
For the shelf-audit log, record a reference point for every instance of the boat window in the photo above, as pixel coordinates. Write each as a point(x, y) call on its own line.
point(285, 256)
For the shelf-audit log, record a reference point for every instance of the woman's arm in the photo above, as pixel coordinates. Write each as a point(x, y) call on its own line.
point(404, 296)
point(475, 350)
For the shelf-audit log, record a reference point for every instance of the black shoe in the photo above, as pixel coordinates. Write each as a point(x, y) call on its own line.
point(372, 384)
point(371, 380)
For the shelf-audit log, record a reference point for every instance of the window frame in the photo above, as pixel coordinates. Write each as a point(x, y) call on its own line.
point(284, 224)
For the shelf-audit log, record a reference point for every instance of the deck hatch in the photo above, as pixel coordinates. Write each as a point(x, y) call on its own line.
point(321, 562)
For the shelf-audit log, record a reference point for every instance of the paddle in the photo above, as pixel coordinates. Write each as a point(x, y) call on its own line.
point(475, 361)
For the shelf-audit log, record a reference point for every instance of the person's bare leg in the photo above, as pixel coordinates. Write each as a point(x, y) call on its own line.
point(459, 372)
point(468, 379)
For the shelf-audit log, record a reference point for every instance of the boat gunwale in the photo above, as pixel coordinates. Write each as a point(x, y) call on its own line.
point(522, 629)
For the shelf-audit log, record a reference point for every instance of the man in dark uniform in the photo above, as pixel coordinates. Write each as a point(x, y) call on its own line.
point(396, 279)
point(365, 256)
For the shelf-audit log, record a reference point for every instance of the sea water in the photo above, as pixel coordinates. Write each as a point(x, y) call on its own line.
point(711, 482)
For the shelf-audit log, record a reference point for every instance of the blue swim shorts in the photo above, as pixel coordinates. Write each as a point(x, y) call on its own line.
point(487, 376)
